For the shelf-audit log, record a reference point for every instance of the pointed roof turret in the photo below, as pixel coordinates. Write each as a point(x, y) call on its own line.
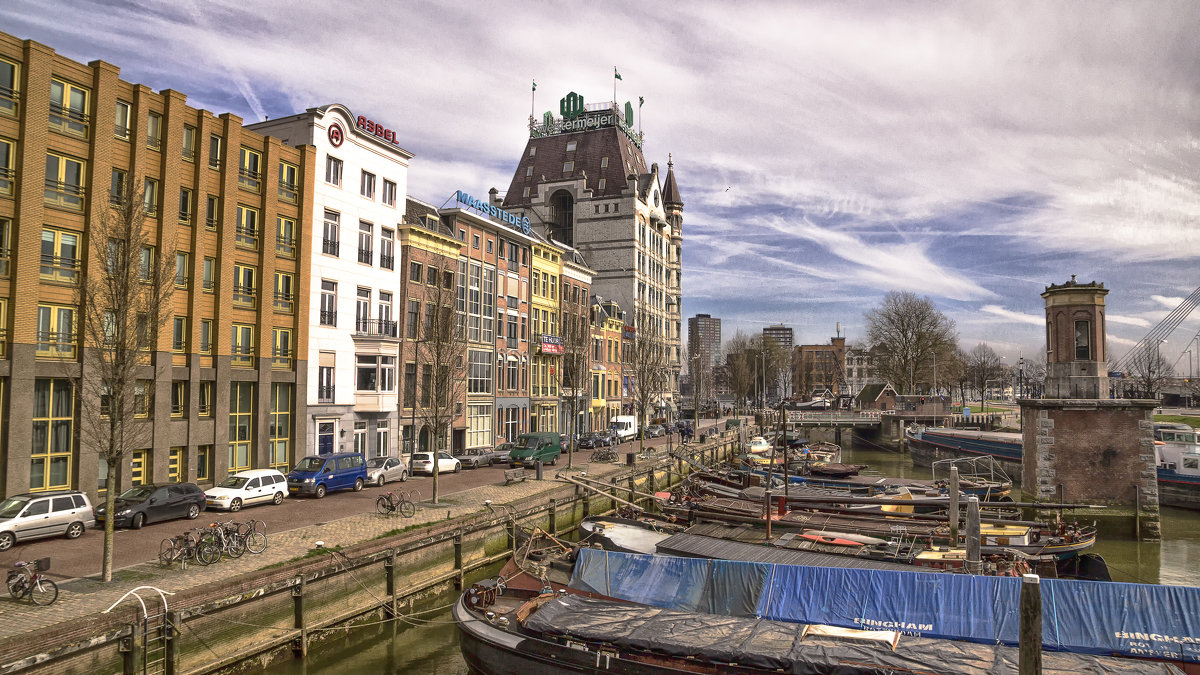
point(670, 189)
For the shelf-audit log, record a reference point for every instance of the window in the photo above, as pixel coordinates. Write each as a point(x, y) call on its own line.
point(431, 275)
point(154, 131)
point(414, 272)
point(479, 374)
point(325, 380)
point(512, 374)
point(382, 431)
point(479, 425)
point(206, 333)
point(414, 316)
point(56, 332)
point(1083, 341)
point(185, 206)
point(285, 298)
point(410, 384)
point(60, 256)
point(367, 185)
point(68, 108)
point(9, 87)
point(285, 237)
point(7, 173)
point(365, 237)
point(525, 192)
point(281, 349)
point(489, 304)
point(333, 170)
point(214, 152)
point(288, 190)
point(179, 334)
point(53, 442)
point(245, 282)
point(121, 123)
point(250, 170)
point(212, 212)
point(241, 350)
point(389, 192)
point(189, 143)
point(331, 232)
point(568, 167)
point(3, 344)
point(64, 182)
point(489, 245)
point(181, 269)
point(247, 227)
point(529, 171)
point(475, 241)
point(179, 398)
point(328, 303)
point(362, 311)
point(143, 398)
point(241, 424)
point(204, 462)
point(386, 325)
point(280, 433)
point(426, 384)
point(386, 239)
point(375, 373)
point(150, 197)
point(603, 162)
point(602, 183)
point(360, 437)
point(532, 151)
point(209, 275)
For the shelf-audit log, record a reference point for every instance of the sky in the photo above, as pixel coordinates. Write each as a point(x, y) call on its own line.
point(827, 152)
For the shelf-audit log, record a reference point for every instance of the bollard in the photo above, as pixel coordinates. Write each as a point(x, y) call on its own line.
point(539, 469)
point(389, 575)
point(553, 525)
point(1030, 636)
point(974, 564)
point(587, 505)
point(298, 616)
point(126, 647)
point(172, 636)
point(629, 458)
point(458, 560)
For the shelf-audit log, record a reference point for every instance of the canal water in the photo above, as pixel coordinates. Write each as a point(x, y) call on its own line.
point(430, 644)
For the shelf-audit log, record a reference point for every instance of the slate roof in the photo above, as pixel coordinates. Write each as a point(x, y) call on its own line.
point(872, 392)
point(670, 193)
point(550, 154)
point(415, 212)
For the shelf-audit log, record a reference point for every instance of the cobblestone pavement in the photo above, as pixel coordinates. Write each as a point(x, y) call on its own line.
point(87, 597)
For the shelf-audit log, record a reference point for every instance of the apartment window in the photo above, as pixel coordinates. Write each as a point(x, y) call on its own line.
point(382, 431)
point(389, 192)
point(362, 310)
point(288, 188)
point(328, 303)
point(367, 185)
point(214, 152)
point(53, 442)
point(121, 123)
point(209, 274)
point(532, 151)
point(245, 282)
point(603, 181)
point(479, 425)
point(241, 350)
point(179, 334)
point(143, 398)
point(68, 108)
point(9, 84)
point(512, 374)
point(365, 236)
point(3, 343)
point(386, 247)
point(241, 424)
point(250, 170)
point(386, 326)
point(431, 275)
point(603, 162)
point(60, 256)
point(410, 384)
point(426, 384)
point(285, 298)
point(146, 264)
point(56, 332)
point(489, 245)
point(330, 233)
point(285, 237)
point(205, 398)
point(475, 241)
point(185, 206)
point(568, 167)
point(333, 170)
point(414, 272)
point(189, 143)
point(280, 433)
point(150, 197)
point(181, 269)
point(211, 212)
point(325, 380)
point(7, 173)
point(430, 316)
point(64, 182)
point(360, 437)
point(529, 171)
point(204, 462)
point(247, 227)
point(479, 373)
point(281, 349)
point(375, 373)
point(179, 398)
point(414, 316)
point(525, 192)
point(206, 335)
point(154, 131)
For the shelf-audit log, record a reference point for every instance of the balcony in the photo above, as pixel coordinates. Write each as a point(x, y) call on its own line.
point(330, 246)
point(60, 270)
point(375, 401)
point(285, 247)
point(55, 345)
point(285, 303)
point(249, 180)
point(325, 394)
point(64, 195)
point(288, 192)
point(67, 121)
point(372, 329)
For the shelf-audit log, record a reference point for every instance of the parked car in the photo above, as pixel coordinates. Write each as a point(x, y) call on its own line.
point(655, 430)
point(423, 462)
point(383, 469)
point(597, 439)
point(475, 457)
point(152, 503)
point(501, 452)
point(318, 474)
point(33, 515)
point(255, 486)
point(535, 446)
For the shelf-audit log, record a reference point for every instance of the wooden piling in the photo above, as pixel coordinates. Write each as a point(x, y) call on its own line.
point(954, 505)
point(553, 525)
point(1030, 640)
point(974, 563)
point(298, 617)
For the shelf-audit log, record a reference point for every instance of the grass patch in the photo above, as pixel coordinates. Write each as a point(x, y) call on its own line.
point(313, 553)
point(401, 530)
point(1189, 420)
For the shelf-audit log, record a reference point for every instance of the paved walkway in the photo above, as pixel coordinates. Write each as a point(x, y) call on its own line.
point(85, 598)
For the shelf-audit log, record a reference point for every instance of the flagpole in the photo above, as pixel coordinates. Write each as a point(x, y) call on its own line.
point(532, 103)
point(614, 103)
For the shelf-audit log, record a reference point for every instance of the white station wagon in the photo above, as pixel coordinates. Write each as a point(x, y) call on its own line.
point(245, 488)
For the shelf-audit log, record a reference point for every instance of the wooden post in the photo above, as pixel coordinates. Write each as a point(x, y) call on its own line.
point(632, 487)
point(389, 575)
point(128, 651)
point(298, 616)
point(1030, 640)
point(553, 517)
point(974, 564)
point(650, 486)
point(512, 534)
point(458, 560)
point(587, 504)
point(767, 510)
point(1137, 513)
point(954, 505)
point(171, 635)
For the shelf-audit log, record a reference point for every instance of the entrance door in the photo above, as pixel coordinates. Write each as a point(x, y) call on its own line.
point(325, 433)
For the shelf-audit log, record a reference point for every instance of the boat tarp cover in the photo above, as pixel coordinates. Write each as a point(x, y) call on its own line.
point(784, 647)
point(1077, 616)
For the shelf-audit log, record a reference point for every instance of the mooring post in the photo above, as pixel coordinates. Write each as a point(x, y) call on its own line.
point(954, 506)
point(1137, 513)
point(1030, 639)
point(389, 574)
point(127, 648)
point(512, 536)
point(553, 525)
point(633, 486)
point(650, 485)
point(298, 616)
point(974, 564)
point(171, 634)
point(458, 560)
point(587, 505)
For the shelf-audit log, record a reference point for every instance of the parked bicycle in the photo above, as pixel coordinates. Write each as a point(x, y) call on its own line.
point(27, 579)
point(404, 502)
point(182, 548)
point(220, 539)
point(603, 455)
point(254, 534)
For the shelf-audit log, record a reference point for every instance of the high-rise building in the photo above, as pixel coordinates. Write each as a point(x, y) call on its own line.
point(583, 181)
point(704, 346)
point(781, 334)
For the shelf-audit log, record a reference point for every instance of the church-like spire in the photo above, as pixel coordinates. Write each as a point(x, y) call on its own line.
point(670, 189)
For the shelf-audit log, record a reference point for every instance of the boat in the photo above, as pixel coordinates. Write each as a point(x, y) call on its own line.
point(758, 445)
point(631, 535)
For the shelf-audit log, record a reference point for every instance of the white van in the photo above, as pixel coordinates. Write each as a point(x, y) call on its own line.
point(625, 427)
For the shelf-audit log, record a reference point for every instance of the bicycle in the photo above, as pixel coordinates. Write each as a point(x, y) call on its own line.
point(183, 547)
point(404, 502)
point(27, 579)
point(220, 538)
point(603, 455)
point(254, 534)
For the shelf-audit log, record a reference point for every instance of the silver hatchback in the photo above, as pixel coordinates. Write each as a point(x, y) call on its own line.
point(34, 515)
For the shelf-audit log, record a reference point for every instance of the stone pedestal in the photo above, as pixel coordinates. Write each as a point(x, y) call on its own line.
point(1101, 451)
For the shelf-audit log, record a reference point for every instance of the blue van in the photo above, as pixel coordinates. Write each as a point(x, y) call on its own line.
point(317, 474)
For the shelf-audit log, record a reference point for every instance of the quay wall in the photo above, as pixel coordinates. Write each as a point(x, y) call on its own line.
point(252, 619)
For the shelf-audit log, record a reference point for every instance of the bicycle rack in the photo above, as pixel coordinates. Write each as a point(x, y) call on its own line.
point(156, 629)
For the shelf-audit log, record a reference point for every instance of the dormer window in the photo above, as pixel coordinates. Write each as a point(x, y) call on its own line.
point(568, 167)
point(571, 145)
point(532, 151)
point(603, 162)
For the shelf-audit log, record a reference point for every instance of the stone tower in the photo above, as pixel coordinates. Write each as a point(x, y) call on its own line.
point(1076, 355)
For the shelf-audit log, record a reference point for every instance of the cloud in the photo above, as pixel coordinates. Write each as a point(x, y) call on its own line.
point(1010, 316)
point(1113, 339)
point(1127, 320)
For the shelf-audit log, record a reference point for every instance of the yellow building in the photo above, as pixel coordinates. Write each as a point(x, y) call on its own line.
point(547, 341)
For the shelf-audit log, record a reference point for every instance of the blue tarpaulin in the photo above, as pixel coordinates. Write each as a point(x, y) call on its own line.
point(1077, 616)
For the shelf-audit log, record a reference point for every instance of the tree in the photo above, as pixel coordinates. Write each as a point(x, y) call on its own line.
point(739, 368)
point(1147, 371)
point(574, 367)
point(124, 297)
point(952, 372)
point(650, 367)
point(907, 332)
point(441, 353)
point(983, 364)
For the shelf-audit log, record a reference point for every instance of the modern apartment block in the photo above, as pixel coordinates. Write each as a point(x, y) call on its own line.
point(781, 334)
point(354, 349)
point(704, 344)
point(221, 388)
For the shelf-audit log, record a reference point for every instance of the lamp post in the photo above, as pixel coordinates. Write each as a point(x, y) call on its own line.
point(696, 394)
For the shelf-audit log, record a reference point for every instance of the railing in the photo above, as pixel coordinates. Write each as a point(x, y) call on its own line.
point(281, 359)
point(208, 285)
point(241, 355)
point(288, 192)
point(246, 237)
point(188, 153)
point(3, 343)
point(67, 121)
point(330, 246)
point(7, 178)
point(4, 258)
point(328, 318)
point(285, 246)
point(244, 296)
point(153, 142)
point(9, 101)
point(375, 328)
point(181, 281)
point(66, 195)
point(211, 222)
point(285, 303)
point(185, 218)
point(150, 208)
point(365, 255)
point(250, 180)
point(56, 344)
point(387, 262)
point(214, 162)
point(60, 269)
point(325, 393)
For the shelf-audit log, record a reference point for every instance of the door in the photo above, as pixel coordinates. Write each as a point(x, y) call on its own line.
point(253, 491)
point(325, 434)
point(62, 514)
point(392, 469)
point(34, 521)
point(178, 499)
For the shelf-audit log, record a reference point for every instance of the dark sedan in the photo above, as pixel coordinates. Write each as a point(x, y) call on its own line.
point(596, 439)
point(151, 503)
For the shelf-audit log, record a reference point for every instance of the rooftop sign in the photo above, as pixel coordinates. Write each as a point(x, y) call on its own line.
point(578, 116)
point(490, 210)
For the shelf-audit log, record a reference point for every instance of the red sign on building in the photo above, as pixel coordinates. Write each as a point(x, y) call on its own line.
point(552, 344)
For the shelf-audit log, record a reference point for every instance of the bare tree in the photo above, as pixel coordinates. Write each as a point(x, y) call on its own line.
point(739, 368)
point(649, 365)
point(441, 352)
point(983, 364)
point(907, 331)
point(124, 297)
point(575, 369)
point(1147, 371)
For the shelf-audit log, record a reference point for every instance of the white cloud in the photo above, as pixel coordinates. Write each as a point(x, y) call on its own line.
point(1009, 316)
point(1127, 320)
